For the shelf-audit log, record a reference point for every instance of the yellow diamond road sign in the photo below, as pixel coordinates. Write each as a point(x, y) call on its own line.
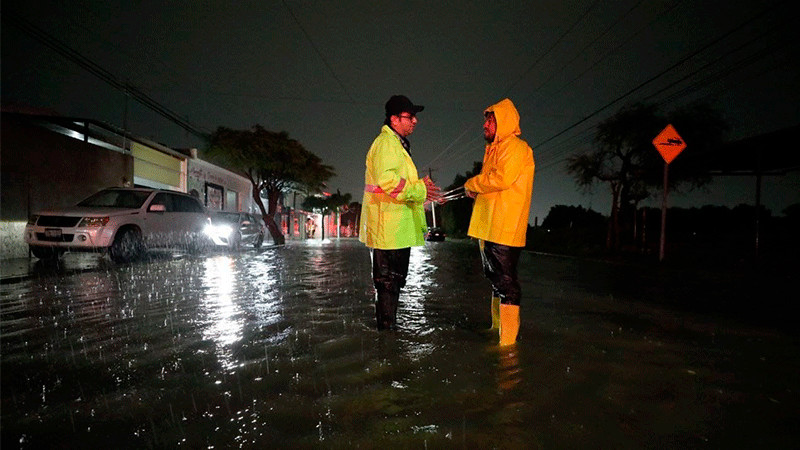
point(669, 143)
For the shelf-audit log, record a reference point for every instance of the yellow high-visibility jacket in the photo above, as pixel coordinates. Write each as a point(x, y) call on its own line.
point(505, 184)
point(392, 213)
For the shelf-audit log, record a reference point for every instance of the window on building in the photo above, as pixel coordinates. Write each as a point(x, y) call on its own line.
point(215, 199)
point(232, 200)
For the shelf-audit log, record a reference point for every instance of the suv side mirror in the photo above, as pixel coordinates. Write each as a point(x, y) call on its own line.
point(157, 207)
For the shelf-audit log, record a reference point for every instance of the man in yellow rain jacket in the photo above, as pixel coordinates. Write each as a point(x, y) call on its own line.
point(502, 193)
point(392, 213)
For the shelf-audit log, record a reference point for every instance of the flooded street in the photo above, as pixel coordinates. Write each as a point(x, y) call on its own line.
point(279, 348)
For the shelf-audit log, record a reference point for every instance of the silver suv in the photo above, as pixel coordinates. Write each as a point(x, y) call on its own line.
point(124, 222)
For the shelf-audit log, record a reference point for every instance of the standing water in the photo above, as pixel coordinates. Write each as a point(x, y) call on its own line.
point(279, 348)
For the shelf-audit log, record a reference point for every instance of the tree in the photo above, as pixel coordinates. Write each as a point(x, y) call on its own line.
point(570, 230)
point(326, 204)
point(355, 209)
point(456, 214)
point(272, 162)
point(567, 217)
point(626, 160)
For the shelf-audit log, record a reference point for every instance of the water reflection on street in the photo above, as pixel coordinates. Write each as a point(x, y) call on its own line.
point(278, 347)
point(223, 322)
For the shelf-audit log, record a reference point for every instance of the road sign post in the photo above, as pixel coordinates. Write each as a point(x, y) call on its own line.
point(669, 144)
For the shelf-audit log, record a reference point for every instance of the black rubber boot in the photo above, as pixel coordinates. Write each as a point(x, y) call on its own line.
point(386, 310)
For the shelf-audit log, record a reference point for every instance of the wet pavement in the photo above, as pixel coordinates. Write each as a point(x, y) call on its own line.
point(278, 348)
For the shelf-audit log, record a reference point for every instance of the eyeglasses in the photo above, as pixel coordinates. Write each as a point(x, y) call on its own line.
point(410, 117)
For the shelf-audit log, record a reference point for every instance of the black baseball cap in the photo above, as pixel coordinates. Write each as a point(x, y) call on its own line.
point(399, 104)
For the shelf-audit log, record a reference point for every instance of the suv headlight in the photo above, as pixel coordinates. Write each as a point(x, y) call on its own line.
point(32, 219)
point(218, 230)
point(93, 221)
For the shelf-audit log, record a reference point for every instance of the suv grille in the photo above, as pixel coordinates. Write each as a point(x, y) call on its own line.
point(58, 221)
point(63, 238)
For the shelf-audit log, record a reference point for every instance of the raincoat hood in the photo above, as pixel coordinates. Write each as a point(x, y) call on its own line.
point(507, 117)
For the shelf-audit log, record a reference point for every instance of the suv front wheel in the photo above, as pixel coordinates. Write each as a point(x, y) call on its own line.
point(127, 246)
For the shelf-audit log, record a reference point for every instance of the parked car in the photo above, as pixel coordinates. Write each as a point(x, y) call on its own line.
point(123, 222)
point(235, 229)
point(435, 234)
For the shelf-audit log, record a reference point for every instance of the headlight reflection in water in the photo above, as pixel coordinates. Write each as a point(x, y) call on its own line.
point(260, 275)
point(412, 314)
point(223, 327)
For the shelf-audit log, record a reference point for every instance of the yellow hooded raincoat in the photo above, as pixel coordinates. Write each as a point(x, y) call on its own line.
point(392, 213)
point(505, 184)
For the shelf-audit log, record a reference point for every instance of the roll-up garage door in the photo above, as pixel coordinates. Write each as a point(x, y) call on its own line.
point(155, 166)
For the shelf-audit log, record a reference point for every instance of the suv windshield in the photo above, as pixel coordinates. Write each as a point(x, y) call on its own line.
point(116, 198)
point(226, 217)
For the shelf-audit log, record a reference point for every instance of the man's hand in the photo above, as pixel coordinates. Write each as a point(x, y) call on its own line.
point(470, 194)
point(434, 191)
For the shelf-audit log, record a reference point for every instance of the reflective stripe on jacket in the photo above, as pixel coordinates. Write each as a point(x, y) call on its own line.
point(505, 184)
point(392, 213)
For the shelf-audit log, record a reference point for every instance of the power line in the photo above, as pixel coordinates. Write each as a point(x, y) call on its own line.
point(449, 146)
point(718, 75)
point(723, 72)
point(557, 154)
point(563, 35)
point(710, 65)
point(662, 73)
point(319, 53)
point(95, 69)
point(708, 80)
point(605, 55)
point(547, 52)
point(713, 77)
point(583, 50)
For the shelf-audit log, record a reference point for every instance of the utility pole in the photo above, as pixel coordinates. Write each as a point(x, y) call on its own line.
point(433, 204)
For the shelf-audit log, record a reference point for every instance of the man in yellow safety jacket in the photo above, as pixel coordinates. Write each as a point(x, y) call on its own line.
point(502, 193)
point(392, 212)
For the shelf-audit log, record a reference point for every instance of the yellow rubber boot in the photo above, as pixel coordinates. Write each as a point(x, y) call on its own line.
point(495, 313)
point(509, 324)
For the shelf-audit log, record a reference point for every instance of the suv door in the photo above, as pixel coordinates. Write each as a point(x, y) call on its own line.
point(189, 218)
point(158, 229)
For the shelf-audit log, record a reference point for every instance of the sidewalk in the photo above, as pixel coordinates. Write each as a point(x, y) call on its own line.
point(15, 269)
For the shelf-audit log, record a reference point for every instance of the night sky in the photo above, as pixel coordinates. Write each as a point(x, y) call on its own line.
point(322, 71)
